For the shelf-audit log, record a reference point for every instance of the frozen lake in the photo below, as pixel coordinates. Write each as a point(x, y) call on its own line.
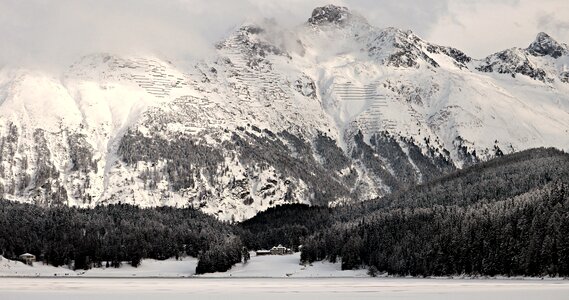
point(278, 288)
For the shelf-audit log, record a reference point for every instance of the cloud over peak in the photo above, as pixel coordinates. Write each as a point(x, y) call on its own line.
point(37, 32)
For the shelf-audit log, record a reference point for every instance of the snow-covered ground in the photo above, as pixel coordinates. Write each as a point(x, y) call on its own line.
point(274, 289)
point(258, 266)
point(286, 266)
point(270, 266)
point(289, 280)
point(307, 80)
point(17, 268)
point(148, 268)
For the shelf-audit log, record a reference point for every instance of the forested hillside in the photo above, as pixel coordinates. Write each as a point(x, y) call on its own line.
point(327, 111)
point(508, 216)
point(114, 234)
point(523, 235)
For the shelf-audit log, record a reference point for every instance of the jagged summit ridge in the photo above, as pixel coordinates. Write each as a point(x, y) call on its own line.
point(544, 60)
point(544, 44)
point(331, 111)
point(330, 14)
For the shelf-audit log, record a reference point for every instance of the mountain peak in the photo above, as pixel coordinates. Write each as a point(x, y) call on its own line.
point(330, 14)
point(543, 36)
point(544, 45)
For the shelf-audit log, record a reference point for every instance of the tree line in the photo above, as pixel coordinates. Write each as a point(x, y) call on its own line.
point(523, 235)
point(110, 235)
point(508, 216)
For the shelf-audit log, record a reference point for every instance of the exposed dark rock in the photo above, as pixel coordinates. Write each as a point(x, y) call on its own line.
point(330, 14)
point(306, 86)
point(564, 76)
point(404, 49)
point(546, 45)
point(253, 29)
point(513, 61)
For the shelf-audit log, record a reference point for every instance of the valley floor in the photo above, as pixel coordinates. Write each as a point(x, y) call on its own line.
point(258, 266)
point(270, 266)
point(263, 277)
point(148, 268)
point(278, 288)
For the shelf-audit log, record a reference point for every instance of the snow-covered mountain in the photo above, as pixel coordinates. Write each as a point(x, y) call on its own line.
point(334, 110)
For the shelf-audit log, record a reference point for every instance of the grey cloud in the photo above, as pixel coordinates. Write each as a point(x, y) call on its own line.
point(491, 26)
point(37, 32)
point(54, 32)
point(419, 16)
point(554, 24)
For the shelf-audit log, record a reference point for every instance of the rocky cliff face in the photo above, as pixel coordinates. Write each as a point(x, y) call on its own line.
point(544, 45)
point(330, 14)
point(544, 60)
point(333, 111)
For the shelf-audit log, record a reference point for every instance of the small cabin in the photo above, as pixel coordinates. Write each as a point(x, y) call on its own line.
point(27, 258)
point(279, 250)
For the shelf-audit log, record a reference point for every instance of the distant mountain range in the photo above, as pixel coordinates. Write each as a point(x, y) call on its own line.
point(334, 110)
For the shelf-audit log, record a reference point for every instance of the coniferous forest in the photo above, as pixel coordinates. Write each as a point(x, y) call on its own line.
point(508, 216)
point(115, 234)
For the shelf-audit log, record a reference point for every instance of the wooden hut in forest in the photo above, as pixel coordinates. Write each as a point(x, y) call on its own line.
point(27, 258)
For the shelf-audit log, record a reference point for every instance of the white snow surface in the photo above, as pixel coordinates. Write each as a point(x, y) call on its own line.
point(331, 79)
point(275, 277)
point(258, 266)
point(289, 288)
point(148, 268)
point(286, 266)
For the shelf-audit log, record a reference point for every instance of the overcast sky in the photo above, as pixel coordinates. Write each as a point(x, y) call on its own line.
point(59, 31)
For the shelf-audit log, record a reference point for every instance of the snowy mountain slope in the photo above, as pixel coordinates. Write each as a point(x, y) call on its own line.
point(438, 93)
point(331, 111)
